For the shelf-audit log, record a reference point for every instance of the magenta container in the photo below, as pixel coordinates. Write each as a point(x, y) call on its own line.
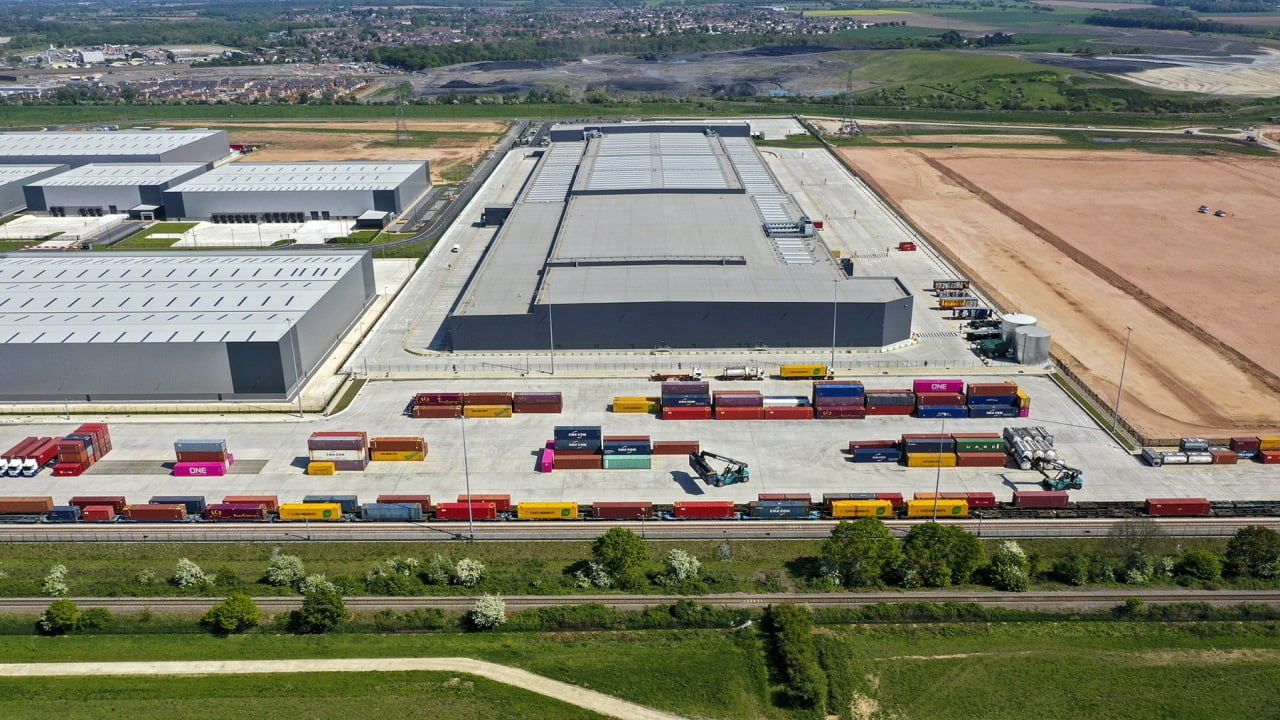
point(825, 402)
point(1024, 412)
point(933, 386)
point(199, 469)
point(231, 459)
point(738, 400)
point(548, 461)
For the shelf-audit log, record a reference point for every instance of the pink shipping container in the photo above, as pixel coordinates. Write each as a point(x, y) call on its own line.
point(1024, 412)
point(933, 385)
point(200, 469)
point(547, 462)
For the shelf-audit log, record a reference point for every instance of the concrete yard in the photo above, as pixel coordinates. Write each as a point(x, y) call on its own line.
point(215, 235)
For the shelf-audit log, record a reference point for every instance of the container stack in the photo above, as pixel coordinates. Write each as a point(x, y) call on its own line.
point(486, 404)
point(78, 451)
point(1028, 444)
point(980, 450)
point(787, 407)
point(332, 452)
point(578, 447)
point(195, 504)
point(98, 508)
point(404, 449)
point(1199, 451)
point(839, 400)
point(875, 451)
point(738, 405)
point(634, 404)
point(929, 450)
point(993, 400)
point(437, 405)
point(686, 400)
point(890, 402)
point(1269, 449)
point(675, 447)
point(550, 403)
point(941, 405)
point(1024, 403)
point(242, 507)
point(201, 458)
point(627, 452)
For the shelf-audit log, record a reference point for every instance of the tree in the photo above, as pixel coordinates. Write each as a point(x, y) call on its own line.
point(1138, 534)
point(62, 616)
point(95, 619)
point(1254, 551)
point(621, 551)
point(1010, 569)
point(468, 572)
point(863, 551)
point(681, 566)
point(236, 613)
point(187, 574)
point(320, 612)
point(55, 583)
point(1199, 565)
point(490, 612)
point(940, 555)
point(790, 629)
point(316, 583)
point(285, 571)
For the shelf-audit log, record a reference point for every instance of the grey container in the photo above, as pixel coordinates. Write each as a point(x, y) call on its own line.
point(195, 503)
point(1154, 457)
point(1193, 445)
point(349, 503)
point(210, 446)
point(391, 512)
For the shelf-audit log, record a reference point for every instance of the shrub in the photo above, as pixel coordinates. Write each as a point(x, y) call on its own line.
point(593, 575)
point(1254, 551)
point(95, 619)
point(790, 629)
point(942, 554)
point(321, 612)
point(490, 612)
point(383, 581)
point(55, 583)
point(227, 578)
point(62, 616)
point(1072, 569)
point(468, 572)
point(423, 619)
point(680, 566)
point(621, 551)
point(236, 613)
point(861, 553)
point(1010, 568)
point(187, 574)
point(317, 583)
point(285, 571)
point(1140, 568)
point(403, 565)
point(438, 571)
point(1199, 565)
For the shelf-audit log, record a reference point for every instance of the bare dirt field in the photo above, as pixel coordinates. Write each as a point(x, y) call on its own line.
point(1258, 78)
point(1093, 5)
point(1090, 242)
point(971, 139)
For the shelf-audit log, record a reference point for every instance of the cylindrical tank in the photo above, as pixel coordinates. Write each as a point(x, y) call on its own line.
point(1009, 323)
point(1031, 345)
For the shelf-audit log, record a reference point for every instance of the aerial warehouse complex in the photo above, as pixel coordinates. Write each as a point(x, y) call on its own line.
point(110, 188)
point(13, 180)
point(125, 146)
point(666, 235)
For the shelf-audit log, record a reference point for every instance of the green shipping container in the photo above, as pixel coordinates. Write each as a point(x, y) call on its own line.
point(968, 445)
point(627, 462)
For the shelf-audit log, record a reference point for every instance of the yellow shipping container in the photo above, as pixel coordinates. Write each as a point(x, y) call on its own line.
point(931, 460)
point(396, 455)
point(321, 468)
point(804, 371)
point(486, 411)
point(635, 405)
point(1269, 442)
point(946, 508)
point(861, 508)
point(310, 511)
point(547, 511)
point(1024, 400)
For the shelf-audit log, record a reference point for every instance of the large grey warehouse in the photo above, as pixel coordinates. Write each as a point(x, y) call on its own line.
point(652, 235)
point(14, 177)
point(109, 188)
point(294, 192)
point(174, 326)
point(124, 146)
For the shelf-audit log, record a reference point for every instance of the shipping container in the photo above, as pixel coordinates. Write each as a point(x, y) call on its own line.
point(930, 460)
point(1024, 412)
point(321, 467)
point(788, 413)
point(891, 397)
point(722, 412)
point(200, 446)
point(195, 504)
point(1004, 401)
point(362, 435)
point(396, 455)
point(466, 511)
point(501, 502)
point(738, 398)
point(877, 455)
point(433, 412)
point(856, 445)
point(626, 445)
point(1040, 498)
point(391, 512)
point(952, 303)
point(839, 388)
point(399, 444)
point(236, 511)
point(333, 455)
point(570, 437)
point(787, 509)
point(821, 401)
point(704, 509)
point(1268, 457)
point(310, 511)
point(675, 447)
point(423, 501)
point(428, 399)
point(1024, 400)
point(348, 503)
point(1269, 442)
point(199, 469)
point(686, 413)
point(117, 502)
point(333, 444)
point(173, 512)
point(634, 405)
point(938, 508)
point(895, 499)
point(65, 513)
point(795, 497)
point(700, 387)
point(98, 513)
point(902, 410)
point(1245, 443)
point(937, 444)
point(937, 385)
point(979, 442)
point(547, 511)
point(1178, 506)
point(861, 508)
point(789, 372)
point(925, 399)
point(981, 459)
point(950, 284)
point(485, 398)
point(1224, 457)
point(786, 401)
point(980, 499)
point(25, 505)
point(486, 411)
point(627, 462)
point(350, 465)
point(621, 510)
point(218, 457)
point(577, 462)
point(942, 411)
point(840, 412)
point(1001, 389)
point(537, 398)
point(271, 501)
point(685, 400)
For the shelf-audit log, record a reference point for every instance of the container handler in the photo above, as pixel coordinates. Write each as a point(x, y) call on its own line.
point(1058, 475)
point(735, 471)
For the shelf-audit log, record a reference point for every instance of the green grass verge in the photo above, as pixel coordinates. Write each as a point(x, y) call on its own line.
point(416, 250)
point(143, 240)
point(13, 245)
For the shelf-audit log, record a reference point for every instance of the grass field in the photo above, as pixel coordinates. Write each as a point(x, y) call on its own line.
point(142, 239)
point(848, 13)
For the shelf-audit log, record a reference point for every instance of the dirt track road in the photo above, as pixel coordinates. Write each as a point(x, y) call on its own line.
point(589, 699)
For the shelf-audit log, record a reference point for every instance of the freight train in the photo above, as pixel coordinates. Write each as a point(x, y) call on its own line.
point(771, 506)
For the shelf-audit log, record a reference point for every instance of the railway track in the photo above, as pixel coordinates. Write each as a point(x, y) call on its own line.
point(524, 531)
point(1055, 600)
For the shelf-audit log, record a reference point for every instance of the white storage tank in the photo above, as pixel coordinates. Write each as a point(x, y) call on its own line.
point(1031, 345)
point(1011, 322)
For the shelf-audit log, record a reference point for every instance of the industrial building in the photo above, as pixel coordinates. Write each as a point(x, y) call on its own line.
point(110, 188)
point(173, 326)
point(14, 177)
point(666, 235)
point(123, 146)
point(295, 192)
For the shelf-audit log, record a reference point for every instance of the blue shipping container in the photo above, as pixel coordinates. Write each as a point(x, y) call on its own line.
point(946, 445)
point(349, 503)
point(862, 496)
point(392, 512)
point(195, 503)
point(577, 432)
point(686, 400)
point(877, 455)
point(943, 411)
point(580, 444)
point(65, 513)
point(992, 411)
point(839, 391)
point(993, 400)
point(906, 398)
point(778, 509)
point(627, 447)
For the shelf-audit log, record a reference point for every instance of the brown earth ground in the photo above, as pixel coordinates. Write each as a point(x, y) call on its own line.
point(292, 142)
point(972, 139)
point(1093, 241)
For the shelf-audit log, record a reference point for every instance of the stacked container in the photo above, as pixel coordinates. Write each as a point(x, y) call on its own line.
point(201, 458)
point(437, 405)
point(993, 400)
point(194, 504)
point(501, 503)
point(633, 404)
point(890, 402)
point(397, 449)
point(675, 447)
point(1245, 448)
point(81, 449)
point(929, 450)
point(738, 405)
point(940, 404)
point(1024, 403)
point(980, 450)
point(627, 452)
point(578, 447)
point(537, 402)
point(839, 400)
point(787, 407)
point(875, 451)
point(345, 450)
point(686, 400)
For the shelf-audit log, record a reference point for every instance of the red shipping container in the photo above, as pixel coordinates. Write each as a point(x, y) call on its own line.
point(577, 462)
point(927, 399)
point(621, 510)
point(793, 497)
point(68, 469)
point(981, 459)
point(98, 513)
point(1269, 457)
point(705, 509)
point(117, 502)
point(236, 511)
point(19, 450)
point(424, 412)
point(537, 398)
point(501, 502)
point(271, 501)
point(803, 412)
point(342, 433)
point(686, 413)
point(156, 513)
point(626, 438)
point(25, 505)
point(1245, 443)
point(423, 500)
point(738, 413)
point(201, 457)
point(894, 499)
point(923, 436)
point(1178, 506)
point(989, 389)
point(544, 408)
point(437, 399)
point(1224, 457)
point(461, 511)
point(839, 401)
point(1040, 498)
point(674, 447)
point(840, 412)
point(855, 445)
point(399, 444)
point(980, 499)
point(577, 451)
point(890, 409)
point(486, 398)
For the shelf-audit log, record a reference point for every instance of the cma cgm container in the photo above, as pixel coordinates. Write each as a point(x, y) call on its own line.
point(310, 511)
point(877, 455)
point(236, 511)
point(547, 511)
point(621, 510)
point(271, 501)
point(627, 445)
point(945, 508)
point(391, 512)
point(1178, 506)
point(172, 512)
point(348, 503)
point(464, 510)
point(994, 411)
point(704, 509)
point(577, 437)
point(763, 509)
point(861, 508)
point(942, 411)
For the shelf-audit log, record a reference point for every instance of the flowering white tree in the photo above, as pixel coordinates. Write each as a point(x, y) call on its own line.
point(187, 574)
point(285, 571)
point(468, 572)
point(55, 583)
point(490, 612)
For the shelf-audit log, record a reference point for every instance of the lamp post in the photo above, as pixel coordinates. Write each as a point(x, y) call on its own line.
point(835, 304)
point(1115, 418)
point(937, 481)
point(466, 474)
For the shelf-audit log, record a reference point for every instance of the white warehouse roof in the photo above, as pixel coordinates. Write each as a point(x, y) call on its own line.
point(120, 174)
point(124, 142)
point(308, 177)
point(16, 173)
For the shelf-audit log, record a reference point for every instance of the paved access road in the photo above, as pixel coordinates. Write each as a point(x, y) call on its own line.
point(572, 694)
